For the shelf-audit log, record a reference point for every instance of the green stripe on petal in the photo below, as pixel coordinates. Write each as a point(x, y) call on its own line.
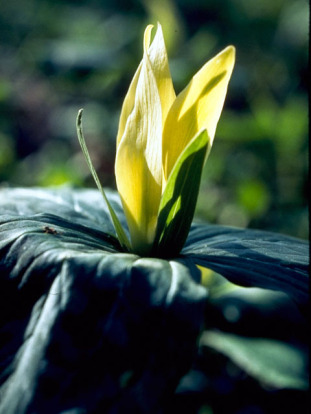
point(179, 198)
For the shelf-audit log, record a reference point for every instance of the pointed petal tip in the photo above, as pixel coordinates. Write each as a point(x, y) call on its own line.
point(147, 37)
point(228, 50)
point(229, 53)
point(159, 29)
point(224, 59)
point(231, 49)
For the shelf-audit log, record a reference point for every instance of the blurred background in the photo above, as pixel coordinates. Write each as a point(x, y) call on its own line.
point(58, 56)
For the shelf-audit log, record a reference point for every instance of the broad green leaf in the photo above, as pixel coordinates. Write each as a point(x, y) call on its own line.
point(255, 312)
point(179, 198)
point(117, 225)
point(79, 206)
point(252, 258)
point(273, 363)
point(76, 312)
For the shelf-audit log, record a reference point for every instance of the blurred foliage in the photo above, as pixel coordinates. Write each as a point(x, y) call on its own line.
point(58, 56)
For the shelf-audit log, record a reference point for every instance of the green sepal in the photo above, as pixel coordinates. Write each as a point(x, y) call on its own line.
point(116, 222)
point(179, 198)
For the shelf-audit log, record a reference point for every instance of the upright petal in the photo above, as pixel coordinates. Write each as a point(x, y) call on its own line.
point(160, 67)
point(138, 164)
point(128, 104)
point(159, 62)
point(198, 106)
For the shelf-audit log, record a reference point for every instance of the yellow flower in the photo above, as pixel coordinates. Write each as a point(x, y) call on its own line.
point(156, 127)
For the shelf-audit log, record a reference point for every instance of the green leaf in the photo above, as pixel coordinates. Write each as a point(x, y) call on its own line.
point(78, 317)
point(272, 362)
point(252, 258)
point(179, 199)
point(117, 225)
point(83, 210)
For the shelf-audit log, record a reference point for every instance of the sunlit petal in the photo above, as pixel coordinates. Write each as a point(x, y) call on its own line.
point(128, 104)
point(198, 106)
point(139, 159)
point(159, 63)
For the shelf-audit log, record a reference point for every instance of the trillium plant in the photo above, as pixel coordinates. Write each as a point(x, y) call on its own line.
point(163, 142)
point(104, 294)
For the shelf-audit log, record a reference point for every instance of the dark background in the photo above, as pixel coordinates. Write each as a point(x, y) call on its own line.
point(58, 56)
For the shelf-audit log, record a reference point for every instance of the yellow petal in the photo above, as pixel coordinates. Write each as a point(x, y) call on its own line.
point(198, 106)
point(128, 104)
point(159, 63)
point(138, 166)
